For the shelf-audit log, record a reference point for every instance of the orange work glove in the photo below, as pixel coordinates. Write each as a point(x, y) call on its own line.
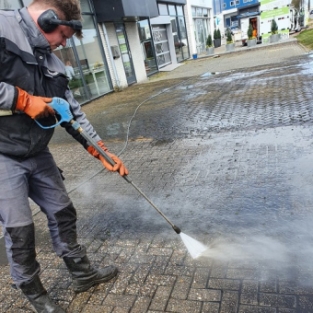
point(119, 166)
point(35, 107)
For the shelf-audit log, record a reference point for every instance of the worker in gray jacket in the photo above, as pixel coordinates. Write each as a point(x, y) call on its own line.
point(31, 75)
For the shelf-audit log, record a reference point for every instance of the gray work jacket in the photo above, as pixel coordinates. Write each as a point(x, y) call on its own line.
point(26, 61)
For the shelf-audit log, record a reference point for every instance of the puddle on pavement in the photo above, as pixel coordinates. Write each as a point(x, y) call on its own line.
point(209, 74)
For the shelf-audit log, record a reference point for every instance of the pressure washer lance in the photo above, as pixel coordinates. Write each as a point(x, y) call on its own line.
point(62, 108)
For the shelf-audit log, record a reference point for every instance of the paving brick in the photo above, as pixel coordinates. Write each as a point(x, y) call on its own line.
point(97, 309)
point(161, 298)
point(210, 307)
point(229, 284)
point(141, 305)
point(183, 306)
point(305, 303)
point(200, 278)
point(204, 295)
point(255, 309)
point(249, 292)
point(181, 287)
point(120, 301)
point(269, 286)
point(161, 280)
point(218, 272)
point(242, 273)
point(277, 300)
point(179, 270)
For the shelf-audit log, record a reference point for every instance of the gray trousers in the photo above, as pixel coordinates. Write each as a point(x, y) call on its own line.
point(37, 178)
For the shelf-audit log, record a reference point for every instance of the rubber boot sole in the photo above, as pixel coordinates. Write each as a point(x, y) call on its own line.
point(86, 286)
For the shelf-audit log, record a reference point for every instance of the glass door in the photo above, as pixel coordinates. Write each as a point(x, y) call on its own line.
point(200, 35)
point(147, 46)
point(161, 45)
point(125, 53)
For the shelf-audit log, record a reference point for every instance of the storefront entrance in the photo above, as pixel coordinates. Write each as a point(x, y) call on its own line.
point(161, 45)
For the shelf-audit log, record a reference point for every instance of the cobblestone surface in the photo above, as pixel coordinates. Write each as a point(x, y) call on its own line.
point(228, 158)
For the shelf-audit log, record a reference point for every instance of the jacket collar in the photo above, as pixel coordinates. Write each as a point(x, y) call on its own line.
point(31, 30)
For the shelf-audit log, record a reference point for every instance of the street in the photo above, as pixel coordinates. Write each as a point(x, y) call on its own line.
point(224, 147)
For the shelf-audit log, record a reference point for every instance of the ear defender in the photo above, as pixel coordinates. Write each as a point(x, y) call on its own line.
point(49, 21)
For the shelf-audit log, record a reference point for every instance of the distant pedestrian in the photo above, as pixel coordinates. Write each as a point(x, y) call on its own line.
point(69, 70)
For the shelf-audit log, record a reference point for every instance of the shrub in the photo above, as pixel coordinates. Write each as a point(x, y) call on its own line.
point(229, 38)
point(209, 41)
point(250, 31)
point(218, 34)
point(274, 27)
point(215, 34)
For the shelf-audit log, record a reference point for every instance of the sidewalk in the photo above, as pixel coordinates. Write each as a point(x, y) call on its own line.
point(241, 57)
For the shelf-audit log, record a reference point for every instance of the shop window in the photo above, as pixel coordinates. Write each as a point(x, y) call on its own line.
point(193, 11)
point(147, 47)
point(199, 11)
point(171, 10)
point(163, 9)
point(85, 6)
point(89, 78)
point(180, 10)
point(233, 3)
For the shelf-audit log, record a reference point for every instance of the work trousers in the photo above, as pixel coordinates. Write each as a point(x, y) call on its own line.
point(39, 179)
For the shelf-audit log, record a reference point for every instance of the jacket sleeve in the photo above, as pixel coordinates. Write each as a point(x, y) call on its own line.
point(8, 95)
point(81, 118)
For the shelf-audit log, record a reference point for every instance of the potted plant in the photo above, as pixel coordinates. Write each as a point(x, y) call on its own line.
point(217, 38)
point(274, 31)
point(209, 45)
point(251, 39)
point(230, 45)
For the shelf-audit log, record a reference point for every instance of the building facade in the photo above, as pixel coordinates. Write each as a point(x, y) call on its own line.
point(126, 41)
point(200, 23)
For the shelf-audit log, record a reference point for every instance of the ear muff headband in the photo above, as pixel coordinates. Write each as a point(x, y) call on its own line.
point(49, 21)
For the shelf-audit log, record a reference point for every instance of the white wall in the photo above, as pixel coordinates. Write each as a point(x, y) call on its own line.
point(116, 67)
point(136, 51)
point(190, 29)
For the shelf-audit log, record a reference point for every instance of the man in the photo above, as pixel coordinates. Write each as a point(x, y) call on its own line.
point(30, 76)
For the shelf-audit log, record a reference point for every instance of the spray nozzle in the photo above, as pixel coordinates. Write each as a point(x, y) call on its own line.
point(177, 229)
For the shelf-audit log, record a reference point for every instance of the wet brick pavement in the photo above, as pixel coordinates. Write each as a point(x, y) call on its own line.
point(228, 158)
